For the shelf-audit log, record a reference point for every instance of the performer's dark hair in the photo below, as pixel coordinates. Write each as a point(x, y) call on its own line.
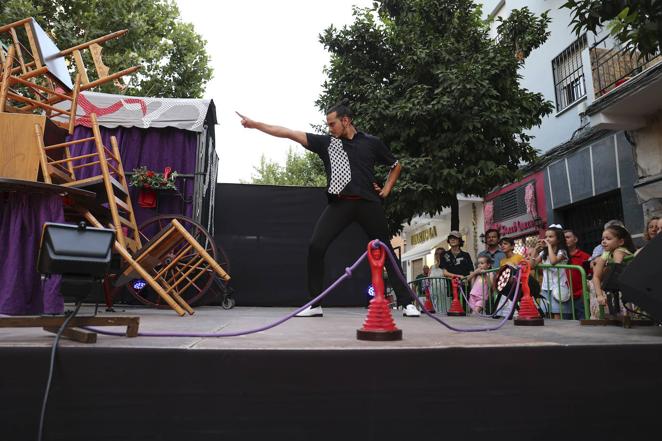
point(342, 109)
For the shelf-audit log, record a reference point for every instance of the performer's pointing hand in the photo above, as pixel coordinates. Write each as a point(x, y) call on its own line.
point(245, 121)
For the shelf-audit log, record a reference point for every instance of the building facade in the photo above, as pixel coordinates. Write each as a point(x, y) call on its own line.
point(601, 149)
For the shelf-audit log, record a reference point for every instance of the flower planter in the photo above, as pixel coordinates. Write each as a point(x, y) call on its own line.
point(147, 198)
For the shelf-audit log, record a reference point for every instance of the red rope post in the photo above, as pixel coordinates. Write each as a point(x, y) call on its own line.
point(456, 307)
point(528, 312)
point(379, 324)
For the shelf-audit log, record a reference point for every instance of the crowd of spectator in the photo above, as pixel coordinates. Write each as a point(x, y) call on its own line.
point(561, 288)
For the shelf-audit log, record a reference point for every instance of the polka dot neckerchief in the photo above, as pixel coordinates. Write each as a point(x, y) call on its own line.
point(341, 173)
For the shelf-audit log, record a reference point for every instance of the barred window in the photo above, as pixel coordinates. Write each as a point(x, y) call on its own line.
point(510, 204)
point(568, 72)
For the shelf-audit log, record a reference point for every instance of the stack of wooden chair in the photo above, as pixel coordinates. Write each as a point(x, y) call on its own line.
point(172, 260)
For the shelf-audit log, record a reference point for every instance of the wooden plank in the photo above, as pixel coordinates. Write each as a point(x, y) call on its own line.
point(19, 148)
point(4, 85)
point(69, 143)
point(36, 56)
point(74, 105)
point(73, 331)
point(98, 40)
point(19, 52)
point(32, 321)
point(80, 67)
point(15, 24)
point(109, 78)
point(77, 334)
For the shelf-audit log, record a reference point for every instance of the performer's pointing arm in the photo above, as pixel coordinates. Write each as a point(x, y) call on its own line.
point(278, 131)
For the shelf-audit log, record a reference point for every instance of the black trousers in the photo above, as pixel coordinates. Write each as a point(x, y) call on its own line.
point(337, 216)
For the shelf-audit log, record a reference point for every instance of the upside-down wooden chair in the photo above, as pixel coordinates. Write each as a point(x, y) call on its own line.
point(40, 68)
point(20, 102)
point(170, 262)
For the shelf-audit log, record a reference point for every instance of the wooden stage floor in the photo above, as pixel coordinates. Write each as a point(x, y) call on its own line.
point(335, 331)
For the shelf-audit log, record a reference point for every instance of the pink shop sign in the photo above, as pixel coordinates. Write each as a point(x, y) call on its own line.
point(518, 226)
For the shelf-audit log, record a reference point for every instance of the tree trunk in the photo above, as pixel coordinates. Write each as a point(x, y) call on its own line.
point(455, 213)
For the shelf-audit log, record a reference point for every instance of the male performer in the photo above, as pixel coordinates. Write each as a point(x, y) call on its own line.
point(349, 157)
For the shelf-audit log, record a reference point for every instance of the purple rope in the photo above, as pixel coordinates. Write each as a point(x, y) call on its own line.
point(348, 273)
point(490, 316)
point(413, 295)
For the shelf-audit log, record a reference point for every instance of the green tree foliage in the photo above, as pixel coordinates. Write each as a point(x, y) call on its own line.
point(635, 23)
point(425, 77)
point(304, 170)
point(171, 54)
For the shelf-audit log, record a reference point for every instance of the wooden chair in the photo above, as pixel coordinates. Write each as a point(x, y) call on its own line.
point(35, 96)
point(170, 262)
point(105, 177)
point(47, 80)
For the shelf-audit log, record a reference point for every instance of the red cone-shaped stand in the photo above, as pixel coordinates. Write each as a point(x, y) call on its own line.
point(379, 325)
point(429, 307)
point(528, 313)
point(456, 306)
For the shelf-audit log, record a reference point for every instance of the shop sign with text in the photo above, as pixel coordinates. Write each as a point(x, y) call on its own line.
point(422, 236)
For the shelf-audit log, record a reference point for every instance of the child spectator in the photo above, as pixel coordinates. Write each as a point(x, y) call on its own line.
point(552, 250)
point(579, 258)
point(617, 244)
point(481, 284)
point(438, 288)
point(507, 245)
point(651, 228)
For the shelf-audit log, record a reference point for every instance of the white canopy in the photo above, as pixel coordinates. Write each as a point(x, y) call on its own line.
point(130, 111)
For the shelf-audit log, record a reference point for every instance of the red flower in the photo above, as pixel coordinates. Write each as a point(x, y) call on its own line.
point(150, 174)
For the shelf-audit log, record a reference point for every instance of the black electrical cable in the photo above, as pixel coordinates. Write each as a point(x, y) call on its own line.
point(50, 369)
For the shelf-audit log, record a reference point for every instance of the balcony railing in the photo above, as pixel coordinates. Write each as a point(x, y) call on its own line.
point(613, 66)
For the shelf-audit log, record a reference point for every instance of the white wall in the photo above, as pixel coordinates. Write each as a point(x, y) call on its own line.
point(537, 73)
point(443, 224)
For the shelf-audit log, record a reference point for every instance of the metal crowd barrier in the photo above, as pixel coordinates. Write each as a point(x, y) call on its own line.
point(441, 293)
point(540, 268)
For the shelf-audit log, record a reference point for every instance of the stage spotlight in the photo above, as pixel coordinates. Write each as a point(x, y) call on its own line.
point(80, 254)
point(505, 280)
point(138, 284)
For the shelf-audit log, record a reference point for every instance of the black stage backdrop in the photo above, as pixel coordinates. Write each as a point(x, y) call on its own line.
point(265, 231)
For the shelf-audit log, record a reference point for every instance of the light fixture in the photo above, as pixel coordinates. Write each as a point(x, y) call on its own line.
point(80, 254)
point(505, 280)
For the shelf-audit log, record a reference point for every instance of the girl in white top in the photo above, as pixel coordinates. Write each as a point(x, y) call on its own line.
point(552, 250)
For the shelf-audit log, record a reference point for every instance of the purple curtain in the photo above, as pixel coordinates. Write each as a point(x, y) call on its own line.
point(156, 149)
point(22, 216)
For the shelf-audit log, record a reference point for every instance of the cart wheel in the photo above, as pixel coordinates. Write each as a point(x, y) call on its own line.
point(146, 295)
point(228, 303)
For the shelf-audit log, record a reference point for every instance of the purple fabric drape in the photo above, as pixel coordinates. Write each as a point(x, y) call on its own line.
point(155, 149)
point(22, 216)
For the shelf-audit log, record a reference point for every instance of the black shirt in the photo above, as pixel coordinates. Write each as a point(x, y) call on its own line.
point(460, 264)
point(350, 168)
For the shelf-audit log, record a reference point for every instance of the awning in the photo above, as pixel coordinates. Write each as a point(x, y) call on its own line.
point(420, 250)
point(144, 112)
